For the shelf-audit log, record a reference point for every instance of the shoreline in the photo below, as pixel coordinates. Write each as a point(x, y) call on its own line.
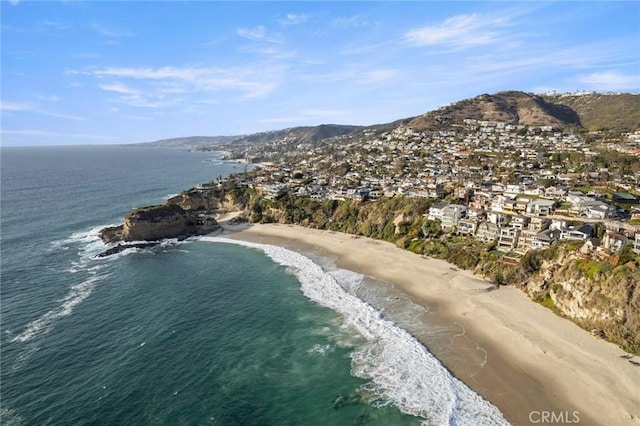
point(518, 355)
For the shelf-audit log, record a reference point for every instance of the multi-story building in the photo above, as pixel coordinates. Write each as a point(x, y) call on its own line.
point(487, 232)
point(545, 238)
point(508, 238)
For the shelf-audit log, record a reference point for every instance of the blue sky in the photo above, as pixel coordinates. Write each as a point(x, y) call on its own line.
point(122, 71)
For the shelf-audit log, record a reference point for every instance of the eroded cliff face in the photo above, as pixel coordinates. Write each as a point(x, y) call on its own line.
point(189, 213)
point(157, 222)
point(195, 200)
point(154, 223)
point(594, 293)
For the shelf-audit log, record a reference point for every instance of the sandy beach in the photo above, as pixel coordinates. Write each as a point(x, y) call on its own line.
point(535, 366)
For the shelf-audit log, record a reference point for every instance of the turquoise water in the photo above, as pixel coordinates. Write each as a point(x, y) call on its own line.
point(205, 331)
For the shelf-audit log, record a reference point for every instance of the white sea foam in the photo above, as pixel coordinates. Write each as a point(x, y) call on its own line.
point(45, 323)
point(9, 417)
point(321, 349)
point(400, 370)
point(88, 242)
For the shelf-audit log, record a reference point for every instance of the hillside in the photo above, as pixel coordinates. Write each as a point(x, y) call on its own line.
point(509, 107)
point(192, 141)
point(603, 111)
point(591, 111)
point(297, 135)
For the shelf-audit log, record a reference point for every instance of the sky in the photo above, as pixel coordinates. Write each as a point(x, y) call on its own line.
point(119, 72)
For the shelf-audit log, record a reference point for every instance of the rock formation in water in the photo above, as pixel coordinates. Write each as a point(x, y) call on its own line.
point(154, 223)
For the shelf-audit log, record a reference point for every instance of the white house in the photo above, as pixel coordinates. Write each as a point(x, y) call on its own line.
point(540, 207)
point(451, 215)
point(508, 238)
point(437, 210)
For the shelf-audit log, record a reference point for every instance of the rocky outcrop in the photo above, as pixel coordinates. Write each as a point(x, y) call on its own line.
point(165, 221)
point(159, 222)
point(111, 234)
point(122, 247)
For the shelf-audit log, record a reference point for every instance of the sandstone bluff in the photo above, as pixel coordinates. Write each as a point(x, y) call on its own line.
point(155, 223)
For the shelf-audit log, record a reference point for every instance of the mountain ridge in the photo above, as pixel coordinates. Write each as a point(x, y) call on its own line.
point(582, 111)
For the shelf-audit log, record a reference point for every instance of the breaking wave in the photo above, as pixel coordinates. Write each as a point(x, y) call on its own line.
point(44, 324)
point(400, 370)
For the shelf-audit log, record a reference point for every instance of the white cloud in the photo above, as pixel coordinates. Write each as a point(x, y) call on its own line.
point(111, 32)
point(50, 98)
point(294, 19)
point(257, 33)
point(610, 81)
point(379, 76)
point(33, 108)
point(159, 87)
point(459, 31)
point(119, 88)
point(347, 22)
point(16, 106)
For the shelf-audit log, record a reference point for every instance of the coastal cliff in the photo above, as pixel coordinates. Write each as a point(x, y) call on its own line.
point(189, 213)
point(596, 293)
point(600, 294)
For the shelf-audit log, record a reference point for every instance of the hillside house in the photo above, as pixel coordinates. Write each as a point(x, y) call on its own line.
point(600, 211)
point(613, 241)
point(525, 240)
point(541, 207)
point(451, 215)
point(545, 238)
point(538, 224)
point(520, 222)
point(581, 233)
point(498, 218)
point(467, 226)
point(272, 192)
point(437, 210)
point(487, 232)
point(508, 238)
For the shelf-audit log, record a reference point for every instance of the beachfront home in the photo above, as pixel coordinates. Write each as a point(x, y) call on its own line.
point(613, 241)
point(437, 210)
point(520, 222)
point(487, 232)
point(467, 226)
point(581, 233)
point(272, 192)
point(451, 215)
point(545, 238)
point(508, 238)
point(525, 240)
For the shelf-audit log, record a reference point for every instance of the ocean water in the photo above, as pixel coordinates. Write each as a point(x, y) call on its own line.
point(205, 331)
